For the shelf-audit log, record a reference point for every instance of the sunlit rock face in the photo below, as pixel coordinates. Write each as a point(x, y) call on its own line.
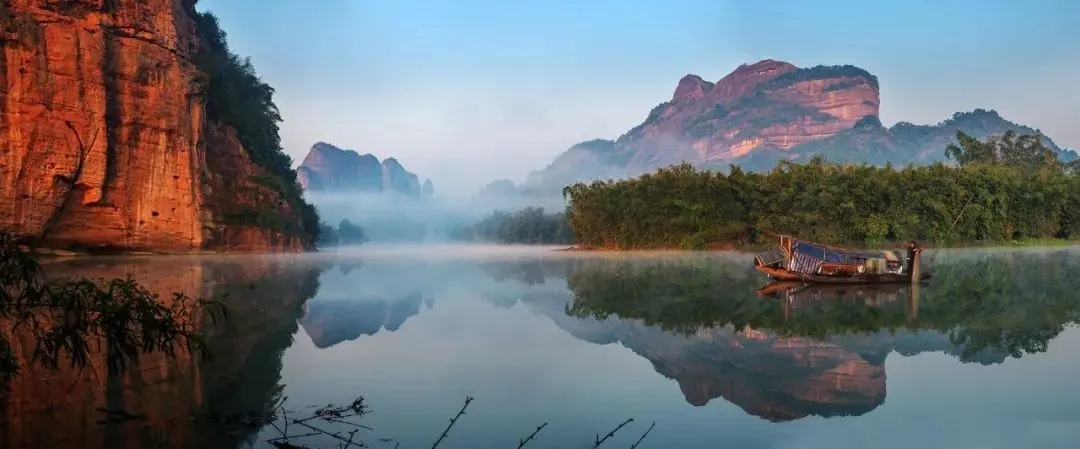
point(765, 112)
point(106, 141)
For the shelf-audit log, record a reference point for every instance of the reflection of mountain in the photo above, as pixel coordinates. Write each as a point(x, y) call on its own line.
point(365, 298)
point(329, 322)
point(808, 351)
point(59, 408)
point(777, 379)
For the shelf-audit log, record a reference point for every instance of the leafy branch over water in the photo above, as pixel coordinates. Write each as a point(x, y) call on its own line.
point(70, 319)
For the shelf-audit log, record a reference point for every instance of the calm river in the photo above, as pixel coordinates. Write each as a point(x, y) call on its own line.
point(985, 355)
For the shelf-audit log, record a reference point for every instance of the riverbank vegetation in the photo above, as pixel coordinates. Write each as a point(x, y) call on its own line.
point(1010, 187)
point(346, 233)
point(67, 320)
point(238, 98)
point(531, 225)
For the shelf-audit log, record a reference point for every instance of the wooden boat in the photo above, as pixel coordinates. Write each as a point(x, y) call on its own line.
point(814, 263)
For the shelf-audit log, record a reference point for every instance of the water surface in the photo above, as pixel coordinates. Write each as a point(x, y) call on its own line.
point(984, 356)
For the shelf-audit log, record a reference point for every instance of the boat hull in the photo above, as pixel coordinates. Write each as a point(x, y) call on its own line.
point(782, 274)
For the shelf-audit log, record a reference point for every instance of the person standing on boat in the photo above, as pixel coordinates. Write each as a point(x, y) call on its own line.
point(912, 252)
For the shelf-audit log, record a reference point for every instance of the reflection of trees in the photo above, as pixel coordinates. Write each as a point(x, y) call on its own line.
point(60, 408)
point(986, 305)
point(805, 350)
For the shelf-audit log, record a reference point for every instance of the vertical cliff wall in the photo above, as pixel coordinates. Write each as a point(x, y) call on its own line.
point(106, 140)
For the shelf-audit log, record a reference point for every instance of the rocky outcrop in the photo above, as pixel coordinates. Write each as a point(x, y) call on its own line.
point(107, 140)
point(759, 114)
point(327, 168)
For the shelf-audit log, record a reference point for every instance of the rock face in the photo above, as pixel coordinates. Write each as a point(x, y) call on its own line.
point(327, 168)
point(105, 137)
point(762, 113)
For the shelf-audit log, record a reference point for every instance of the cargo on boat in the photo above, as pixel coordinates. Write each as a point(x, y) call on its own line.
point(814, 263)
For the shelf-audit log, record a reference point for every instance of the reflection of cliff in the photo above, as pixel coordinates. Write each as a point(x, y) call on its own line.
point(329, 322)
point(802, 351)
point(60, 408)
point(777, 379)
point(364, 298)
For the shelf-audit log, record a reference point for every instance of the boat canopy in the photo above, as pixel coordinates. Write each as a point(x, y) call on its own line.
point(834, 255)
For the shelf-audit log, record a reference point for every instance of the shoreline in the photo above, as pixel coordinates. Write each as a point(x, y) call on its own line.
point(59, 253)
point(756, 248)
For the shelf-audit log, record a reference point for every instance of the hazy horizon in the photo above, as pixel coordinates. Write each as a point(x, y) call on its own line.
point(468, 92)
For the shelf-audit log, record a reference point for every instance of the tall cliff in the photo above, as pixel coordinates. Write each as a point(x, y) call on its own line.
point(759, 114)
point(131, 126)
point(327, 168)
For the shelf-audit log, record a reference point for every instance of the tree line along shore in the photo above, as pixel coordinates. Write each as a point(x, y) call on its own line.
point(1008, 188)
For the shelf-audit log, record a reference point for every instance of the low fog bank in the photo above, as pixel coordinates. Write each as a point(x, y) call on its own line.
point(532, 212)
point(395, 218)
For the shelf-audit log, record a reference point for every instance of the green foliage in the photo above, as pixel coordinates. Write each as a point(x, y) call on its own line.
point(530, 225)
point(1025, 151)
point(350, 234)
point(988, 307)
point(272, 219)
point(1021, 194)
point(821, 72)
point(238, 98)
point(67, 319)
point(346, 233)
point(328, 236)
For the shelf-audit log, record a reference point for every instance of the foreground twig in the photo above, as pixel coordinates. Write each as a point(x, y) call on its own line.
point(468, 400)
point(521, 443)
point(279, 418)
point(612, 433)
point(636, 443)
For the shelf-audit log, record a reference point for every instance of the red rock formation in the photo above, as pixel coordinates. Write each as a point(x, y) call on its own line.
point(105, 142)
point(768, 104)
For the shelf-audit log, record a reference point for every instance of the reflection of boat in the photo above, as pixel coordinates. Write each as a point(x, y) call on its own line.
point(798, 294)
point(803, 291)
point(808, 262)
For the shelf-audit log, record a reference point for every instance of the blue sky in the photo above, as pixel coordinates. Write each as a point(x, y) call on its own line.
point(469, 91)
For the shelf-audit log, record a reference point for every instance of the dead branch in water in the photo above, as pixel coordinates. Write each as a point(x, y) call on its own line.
point(600, 441)
point(521, 443)
point(280, 418)
point(635, 445)
point(468, 400)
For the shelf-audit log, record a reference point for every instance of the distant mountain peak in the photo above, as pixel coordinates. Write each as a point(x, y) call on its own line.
point(330, 168)
point(763, 112)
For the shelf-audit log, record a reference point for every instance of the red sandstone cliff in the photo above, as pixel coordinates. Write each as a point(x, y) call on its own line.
point(105, 140)
point(762, 113)
point(765, 104)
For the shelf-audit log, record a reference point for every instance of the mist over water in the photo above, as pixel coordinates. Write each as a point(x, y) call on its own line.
point(391, 217)
point(982, 356)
